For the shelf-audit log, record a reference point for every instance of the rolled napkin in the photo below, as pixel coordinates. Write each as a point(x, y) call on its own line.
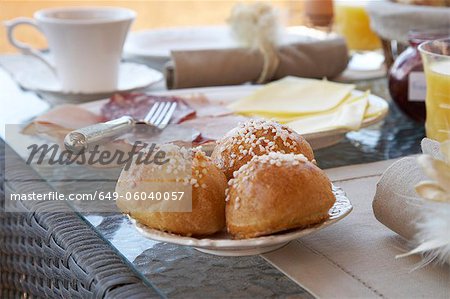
point(309, 58)
point(397, 204)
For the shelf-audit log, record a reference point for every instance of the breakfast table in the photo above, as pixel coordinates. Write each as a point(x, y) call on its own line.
point(95, 254)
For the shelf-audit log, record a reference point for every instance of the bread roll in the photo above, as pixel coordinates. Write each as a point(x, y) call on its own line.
point(256, 138)
point(190, 171)
point(277, 192)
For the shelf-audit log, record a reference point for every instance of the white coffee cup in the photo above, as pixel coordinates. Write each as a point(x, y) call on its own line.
point(85, 44)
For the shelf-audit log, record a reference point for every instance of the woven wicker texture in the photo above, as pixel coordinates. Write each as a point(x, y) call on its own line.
point(48, 253)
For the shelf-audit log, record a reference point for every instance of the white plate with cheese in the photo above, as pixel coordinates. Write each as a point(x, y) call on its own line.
point(346, 109)
point(228, 95)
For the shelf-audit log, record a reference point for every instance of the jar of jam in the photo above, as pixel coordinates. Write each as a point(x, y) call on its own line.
point(407, 84)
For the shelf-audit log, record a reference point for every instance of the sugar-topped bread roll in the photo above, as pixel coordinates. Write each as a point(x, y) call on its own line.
point(256, 138)
point(187, 171)
point(277, 192)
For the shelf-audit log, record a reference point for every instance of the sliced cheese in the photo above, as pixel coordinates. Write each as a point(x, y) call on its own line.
point(294, 96)
point(285, 118)
point(348, 116)
point(375, 109)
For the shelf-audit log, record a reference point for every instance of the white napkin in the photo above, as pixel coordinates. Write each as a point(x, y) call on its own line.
point(26, 104)
point(396, 203)
point(19, 67)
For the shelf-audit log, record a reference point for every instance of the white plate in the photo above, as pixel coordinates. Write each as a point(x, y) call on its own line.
point(228, 94)
point(132, 76)
point(364, 66)
point(153, 46)
point(222, 244)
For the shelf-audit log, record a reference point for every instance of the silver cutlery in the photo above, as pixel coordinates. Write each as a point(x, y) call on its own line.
point(157, 118)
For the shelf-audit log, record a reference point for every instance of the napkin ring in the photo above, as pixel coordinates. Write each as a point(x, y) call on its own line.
point(257, 26)
point(270, 63)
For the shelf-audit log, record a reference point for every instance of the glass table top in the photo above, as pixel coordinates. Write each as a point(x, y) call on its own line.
point(177, 271)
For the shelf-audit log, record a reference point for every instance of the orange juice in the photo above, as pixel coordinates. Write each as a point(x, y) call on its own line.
point(438, 100)
point(352, 21)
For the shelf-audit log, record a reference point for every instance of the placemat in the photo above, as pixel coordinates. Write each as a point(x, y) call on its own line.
point(356, 257)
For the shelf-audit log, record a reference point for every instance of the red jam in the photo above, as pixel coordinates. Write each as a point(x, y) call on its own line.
point(406, 77)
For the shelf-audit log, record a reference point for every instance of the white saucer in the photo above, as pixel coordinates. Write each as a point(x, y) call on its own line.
point(223, 244)
point(364, 66)
point(132, 76)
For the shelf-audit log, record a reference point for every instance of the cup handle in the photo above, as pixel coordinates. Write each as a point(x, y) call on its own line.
point(22, 47)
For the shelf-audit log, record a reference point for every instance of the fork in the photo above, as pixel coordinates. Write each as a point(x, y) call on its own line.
point(158, 117)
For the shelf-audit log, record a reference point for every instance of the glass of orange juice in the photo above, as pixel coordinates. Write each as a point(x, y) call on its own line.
point(436, 62)
point(353, 23)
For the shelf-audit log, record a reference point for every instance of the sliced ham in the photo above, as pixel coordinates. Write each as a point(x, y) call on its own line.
point(137, 105)
point(69, 117)
point(213, 128)
point(204, 107)
point(196, 119)
point(60, 120)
